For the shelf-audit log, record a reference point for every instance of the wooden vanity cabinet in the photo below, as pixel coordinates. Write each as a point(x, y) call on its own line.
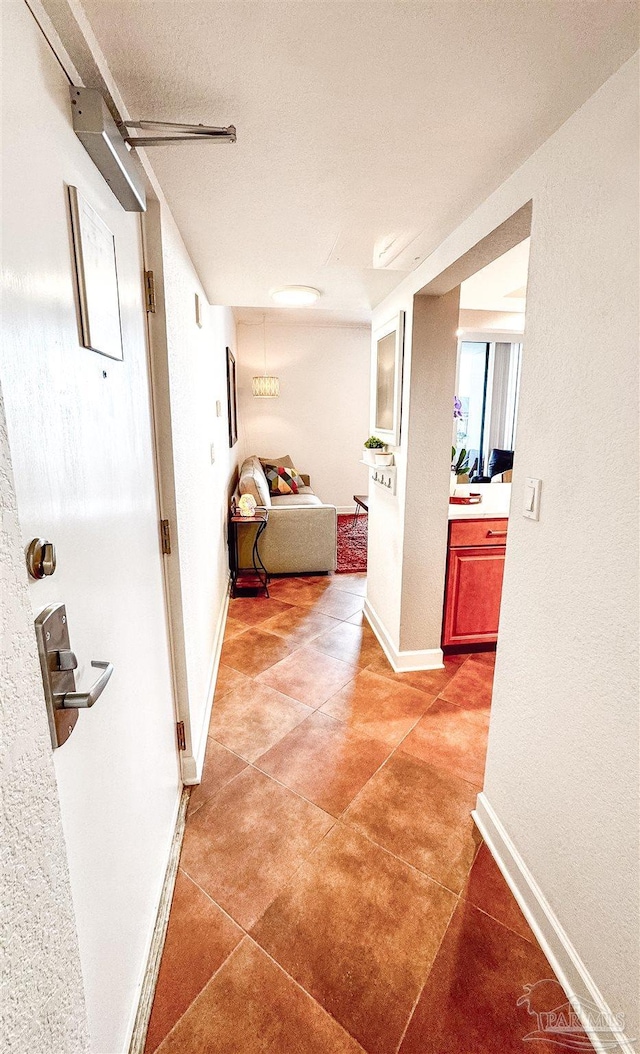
point(475, 567)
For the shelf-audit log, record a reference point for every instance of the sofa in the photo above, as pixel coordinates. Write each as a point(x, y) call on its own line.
point(301, 534)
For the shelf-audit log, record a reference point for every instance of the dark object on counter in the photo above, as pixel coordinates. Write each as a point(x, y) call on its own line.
point(499, 461)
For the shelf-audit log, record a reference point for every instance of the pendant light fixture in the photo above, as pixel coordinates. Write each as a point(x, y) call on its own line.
point(265, 387)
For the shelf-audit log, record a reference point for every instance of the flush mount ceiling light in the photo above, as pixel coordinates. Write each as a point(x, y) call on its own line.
point(295, 295)
point(265, 387)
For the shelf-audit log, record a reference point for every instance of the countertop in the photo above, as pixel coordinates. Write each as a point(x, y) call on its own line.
point(496, 498)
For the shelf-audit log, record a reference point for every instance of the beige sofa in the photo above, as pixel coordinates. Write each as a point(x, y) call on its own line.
point(301, 533)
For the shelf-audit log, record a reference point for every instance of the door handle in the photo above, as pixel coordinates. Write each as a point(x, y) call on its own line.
point(57, 663)
point(75, 700)
point(496, 534)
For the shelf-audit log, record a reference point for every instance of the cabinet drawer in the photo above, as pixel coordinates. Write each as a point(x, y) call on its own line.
point(477, 532)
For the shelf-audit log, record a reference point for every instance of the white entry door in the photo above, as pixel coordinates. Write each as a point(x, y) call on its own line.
point(81, 443)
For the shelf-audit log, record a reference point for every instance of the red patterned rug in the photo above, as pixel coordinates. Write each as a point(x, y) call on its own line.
point(352, 545)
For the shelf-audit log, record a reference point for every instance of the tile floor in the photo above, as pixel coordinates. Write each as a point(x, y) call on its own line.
point(333, 895)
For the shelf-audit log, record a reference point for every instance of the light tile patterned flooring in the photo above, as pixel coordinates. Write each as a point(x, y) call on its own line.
point(333, 895)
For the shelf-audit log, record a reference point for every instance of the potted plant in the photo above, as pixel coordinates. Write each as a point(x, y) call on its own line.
point(375, 452)
point(459, 467)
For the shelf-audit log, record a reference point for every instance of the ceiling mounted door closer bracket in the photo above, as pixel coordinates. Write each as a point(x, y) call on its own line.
point(177, 133)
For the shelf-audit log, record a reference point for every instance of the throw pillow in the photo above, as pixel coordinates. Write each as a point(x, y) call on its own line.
point(282, 479)
point(284, 460)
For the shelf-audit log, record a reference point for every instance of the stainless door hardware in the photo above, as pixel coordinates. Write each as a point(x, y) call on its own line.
point(41, 558)
point(177, 133)
point(101, 138)
point(75, 700)
point(57, 663)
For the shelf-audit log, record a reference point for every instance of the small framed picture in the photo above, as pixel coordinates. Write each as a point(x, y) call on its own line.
point(97, 279)
point(232, 398)
point(386, 400)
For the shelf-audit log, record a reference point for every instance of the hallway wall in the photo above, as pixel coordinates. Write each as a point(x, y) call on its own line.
point(196, 379)
point(321, 417)
point(562, 771)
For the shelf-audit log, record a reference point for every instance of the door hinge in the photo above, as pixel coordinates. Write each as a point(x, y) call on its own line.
point(182, 743)
point(150, 292)
point(165, 536)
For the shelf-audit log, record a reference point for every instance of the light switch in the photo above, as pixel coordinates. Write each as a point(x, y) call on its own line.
point(532, 489)
point(218, 408)
point(213, 453)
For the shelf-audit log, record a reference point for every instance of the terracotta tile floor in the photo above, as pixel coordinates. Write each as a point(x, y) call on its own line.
point(333, 894)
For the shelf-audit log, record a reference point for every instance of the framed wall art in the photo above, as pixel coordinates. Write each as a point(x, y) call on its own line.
point(388, 345)
point(232, 398)
point(94, 250)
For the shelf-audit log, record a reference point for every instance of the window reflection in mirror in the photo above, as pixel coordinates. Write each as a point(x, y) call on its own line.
point(487, 387)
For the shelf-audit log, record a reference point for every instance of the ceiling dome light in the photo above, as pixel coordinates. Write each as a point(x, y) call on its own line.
point(295, 295)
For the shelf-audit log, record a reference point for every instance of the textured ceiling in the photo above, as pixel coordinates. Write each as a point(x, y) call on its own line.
point(360, 125)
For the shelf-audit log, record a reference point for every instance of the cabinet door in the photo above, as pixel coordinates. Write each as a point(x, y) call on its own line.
point(474, 588)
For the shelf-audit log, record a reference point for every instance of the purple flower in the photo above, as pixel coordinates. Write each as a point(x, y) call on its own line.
point(457, 408)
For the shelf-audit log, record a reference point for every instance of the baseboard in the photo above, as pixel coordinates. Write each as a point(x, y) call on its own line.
point(590, 1006)
point(158, 936)
point(402, 661)
point(192, 764)
point(348, 510)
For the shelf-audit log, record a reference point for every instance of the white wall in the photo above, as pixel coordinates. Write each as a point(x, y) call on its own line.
point(476, 321)
point(427, 432)
point(79, 428)
point(41, 956)
point(321, 417)
point(193, 379)
point(562, 768)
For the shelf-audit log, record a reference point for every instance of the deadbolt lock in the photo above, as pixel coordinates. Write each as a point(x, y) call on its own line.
point(41, 558)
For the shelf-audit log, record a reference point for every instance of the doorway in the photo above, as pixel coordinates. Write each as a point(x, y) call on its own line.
point(489, 358)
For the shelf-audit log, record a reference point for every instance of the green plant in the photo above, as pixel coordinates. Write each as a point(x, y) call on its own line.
point(374, 443)
point(459, 465)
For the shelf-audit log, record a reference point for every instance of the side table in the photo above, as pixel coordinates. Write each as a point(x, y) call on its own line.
point(362, 502)
point(242, 577)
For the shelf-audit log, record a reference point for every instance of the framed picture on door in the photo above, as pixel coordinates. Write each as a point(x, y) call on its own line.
point(232, 398)
point(94, 250)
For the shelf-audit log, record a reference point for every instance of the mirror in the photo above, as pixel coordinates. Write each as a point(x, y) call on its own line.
point(485, 416)
point(387, 380)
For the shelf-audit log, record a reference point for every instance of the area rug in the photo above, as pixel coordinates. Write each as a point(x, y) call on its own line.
point(352, 545)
